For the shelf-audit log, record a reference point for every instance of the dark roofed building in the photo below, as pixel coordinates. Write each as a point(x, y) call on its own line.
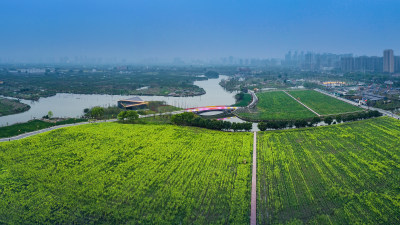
point(132, 103)
point(372, 97)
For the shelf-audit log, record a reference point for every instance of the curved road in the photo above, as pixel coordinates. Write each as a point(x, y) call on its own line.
point(253, 101)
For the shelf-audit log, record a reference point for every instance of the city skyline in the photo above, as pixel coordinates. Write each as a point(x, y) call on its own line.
point(301, 59)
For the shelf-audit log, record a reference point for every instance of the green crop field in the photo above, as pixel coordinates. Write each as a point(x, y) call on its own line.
point(120, 173)
point(342, 174)
point(277, 105)
point(323, 104)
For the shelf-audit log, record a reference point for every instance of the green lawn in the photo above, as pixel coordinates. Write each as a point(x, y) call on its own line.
point(246, 100)
point(277, 105)
point(114, 173)
point(323, 104)
point(20, 128)
point(340, 174)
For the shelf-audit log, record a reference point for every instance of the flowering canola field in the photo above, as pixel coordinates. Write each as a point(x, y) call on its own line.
point(342, 174)
point(118, 173)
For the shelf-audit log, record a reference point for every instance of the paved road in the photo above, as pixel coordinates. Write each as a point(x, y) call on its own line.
point(384, 112)
point(253, 101)
point(21, 136)
point(253, 209)
point(302, 104)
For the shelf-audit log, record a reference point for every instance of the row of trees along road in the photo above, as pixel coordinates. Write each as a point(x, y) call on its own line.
point(328, 120)
point(191, 119)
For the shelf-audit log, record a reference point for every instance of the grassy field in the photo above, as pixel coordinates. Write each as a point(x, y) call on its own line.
point(119, 173)
point(342, 174)
point(277, 105)
point(245, 101)
point(323, 104)
point(20, 128)
point(8, 106)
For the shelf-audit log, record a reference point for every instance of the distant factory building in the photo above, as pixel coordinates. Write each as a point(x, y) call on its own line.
point(132, 103)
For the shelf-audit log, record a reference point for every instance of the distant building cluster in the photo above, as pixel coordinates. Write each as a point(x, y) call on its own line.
point(32, 70)
point(362, 64)
point(389, 63)
point(312, 61)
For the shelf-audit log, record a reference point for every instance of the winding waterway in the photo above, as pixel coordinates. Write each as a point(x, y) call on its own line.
point(72, 105)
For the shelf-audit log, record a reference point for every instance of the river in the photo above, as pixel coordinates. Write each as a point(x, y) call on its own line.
point(72, 105)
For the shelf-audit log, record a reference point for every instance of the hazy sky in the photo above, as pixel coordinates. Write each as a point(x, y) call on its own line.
point(137, 29)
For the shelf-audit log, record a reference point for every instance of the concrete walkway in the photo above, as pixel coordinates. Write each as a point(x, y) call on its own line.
point(253, 210)
point(302, 104)
point(253, 101)
point(21, 136)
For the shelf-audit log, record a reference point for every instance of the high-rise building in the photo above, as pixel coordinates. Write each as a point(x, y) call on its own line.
point(388, 61)
point(309, 62)
point(397, 64)
point(347, 64)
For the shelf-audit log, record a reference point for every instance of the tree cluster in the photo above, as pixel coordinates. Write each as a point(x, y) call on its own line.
point(128, 116)
point(211, 74)
point(191, 119)
point(328, 120)
point(97, 112)
point(358, 116)
point(102, 112)
point(239, 96)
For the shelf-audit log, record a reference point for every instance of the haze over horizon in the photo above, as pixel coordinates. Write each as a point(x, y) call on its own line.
point(165, 29)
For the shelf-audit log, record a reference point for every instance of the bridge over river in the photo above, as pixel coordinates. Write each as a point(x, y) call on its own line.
point(223, 108)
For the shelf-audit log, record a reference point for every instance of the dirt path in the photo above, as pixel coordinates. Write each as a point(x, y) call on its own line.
point(302, 104)
point(253, 215)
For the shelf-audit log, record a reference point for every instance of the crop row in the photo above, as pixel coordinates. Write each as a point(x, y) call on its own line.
point(117, 173)
point(342, 174)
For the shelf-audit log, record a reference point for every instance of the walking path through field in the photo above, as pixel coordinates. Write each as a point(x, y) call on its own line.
point(302, 104)
point(21, 136)
point(253, 209)
point(384, 112)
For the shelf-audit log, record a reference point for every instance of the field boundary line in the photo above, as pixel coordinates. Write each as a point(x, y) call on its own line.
point(302, 104)
point(253, 209)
